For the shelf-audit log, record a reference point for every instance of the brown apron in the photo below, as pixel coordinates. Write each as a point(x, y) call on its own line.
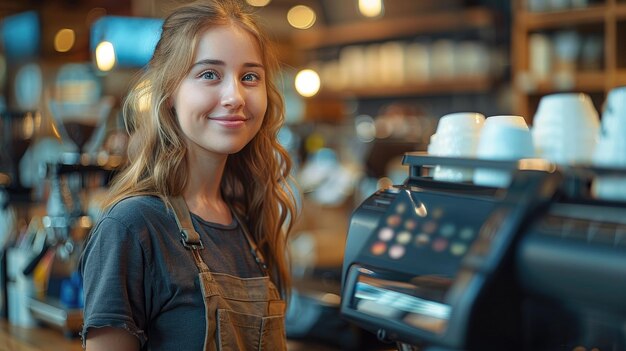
point(241, 313)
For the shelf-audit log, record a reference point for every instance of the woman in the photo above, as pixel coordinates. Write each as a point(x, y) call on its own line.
point(191, 251)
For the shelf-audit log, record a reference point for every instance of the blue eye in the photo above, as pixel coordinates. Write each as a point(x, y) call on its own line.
point(251, 77)
point(209, 75)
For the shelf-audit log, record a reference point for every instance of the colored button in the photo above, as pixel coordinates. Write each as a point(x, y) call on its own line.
point(400, 208)
point(396, 251)
point(422, 239)
point(467, 233)
point(403, 238)
point(447, 230)
point(410, 224)
point(458, 249)
point(385, 234)
point(379, 248)
point(437, 213)
point(440, 245)
point(393, 221)
point(429, 227)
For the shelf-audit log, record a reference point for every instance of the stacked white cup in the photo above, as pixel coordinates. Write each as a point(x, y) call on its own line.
point(457, 135)
point(565, 128)
point(503, 137)
point(611, 149)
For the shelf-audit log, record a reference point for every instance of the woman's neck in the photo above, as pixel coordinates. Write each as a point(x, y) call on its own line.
point(203, 193)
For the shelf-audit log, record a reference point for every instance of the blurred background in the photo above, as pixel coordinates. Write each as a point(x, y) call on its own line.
point(364, 82)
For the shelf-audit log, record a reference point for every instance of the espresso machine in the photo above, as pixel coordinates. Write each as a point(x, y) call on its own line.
point(538, 265)
point(67, 224)
point(48, 184)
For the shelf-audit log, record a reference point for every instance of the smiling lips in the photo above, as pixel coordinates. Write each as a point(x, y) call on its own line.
point(229, 121)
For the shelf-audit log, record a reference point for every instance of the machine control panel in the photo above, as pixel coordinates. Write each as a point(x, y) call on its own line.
point(415, 252)
point(426, 234)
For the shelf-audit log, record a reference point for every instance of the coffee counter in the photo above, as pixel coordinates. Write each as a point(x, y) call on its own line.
point(14, 338)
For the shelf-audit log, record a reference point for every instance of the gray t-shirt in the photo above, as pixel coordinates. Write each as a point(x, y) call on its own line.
point(138, 276)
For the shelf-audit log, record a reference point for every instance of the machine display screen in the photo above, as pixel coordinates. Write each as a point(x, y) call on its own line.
point(418, 303)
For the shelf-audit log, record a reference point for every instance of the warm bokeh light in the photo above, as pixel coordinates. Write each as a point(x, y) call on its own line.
point(307, 82)
point(365, 128)
point(258, 3)
point(301, 17)
point(64, 40)
point(371, 8)
point(28, 126)
point(314, 143)
point(105, 56)
point(85, 221)
point(384, 183)
point(5, 179)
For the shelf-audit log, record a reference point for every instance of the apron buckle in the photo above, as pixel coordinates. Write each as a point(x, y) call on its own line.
point(197, 246)
point(193, 243)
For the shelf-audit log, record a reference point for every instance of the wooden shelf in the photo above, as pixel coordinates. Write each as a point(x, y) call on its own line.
point(386, 29)
point(620, 77)
point(557, 19)
point(620, 11)
point(609, 17)
point(582, 81)
point(448, 86)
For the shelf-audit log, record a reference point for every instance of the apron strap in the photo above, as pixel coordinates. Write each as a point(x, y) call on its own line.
point(190, 238)
point(256, 253)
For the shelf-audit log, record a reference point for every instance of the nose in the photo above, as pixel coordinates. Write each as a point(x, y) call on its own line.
point(232, 95)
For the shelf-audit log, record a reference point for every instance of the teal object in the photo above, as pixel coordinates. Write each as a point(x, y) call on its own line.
point(21, 35)
point(133, 38)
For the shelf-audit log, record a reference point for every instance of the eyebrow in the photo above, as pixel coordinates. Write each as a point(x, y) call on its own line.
point(222, 63)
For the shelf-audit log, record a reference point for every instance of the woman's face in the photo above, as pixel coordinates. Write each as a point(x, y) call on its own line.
point(221, 102)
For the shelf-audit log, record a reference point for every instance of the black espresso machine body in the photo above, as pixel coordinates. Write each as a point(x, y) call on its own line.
point(571, 265)
point(540, 265)
point(429, 263)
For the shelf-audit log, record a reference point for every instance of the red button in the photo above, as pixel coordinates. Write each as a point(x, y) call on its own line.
point(379, 248)
point(440, 244)
point(393, 221)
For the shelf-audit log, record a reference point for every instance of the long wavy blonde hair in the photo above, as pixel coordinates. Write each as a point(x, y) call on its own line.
point(255, 181)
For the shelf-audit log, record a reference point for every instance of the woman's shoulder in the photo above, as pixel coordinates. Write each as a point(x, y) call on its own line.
point(136, 209)
point(138, 201)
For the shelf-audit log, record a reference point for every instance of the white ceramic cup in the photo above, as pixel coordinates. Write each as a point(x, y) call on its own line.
point(541, 52)
point(609, 188)
point(470, 122)
point(457, 135)
point(611, 152)
point(614, 114)
point(567, 45)
point(566, 110)
point(565, 128)
point(616, 100)
point(502, 138)
point(508, 120)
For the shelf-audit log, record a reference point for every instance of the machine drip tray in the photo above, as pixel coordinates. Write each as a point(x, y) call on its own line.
point(52, 312)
